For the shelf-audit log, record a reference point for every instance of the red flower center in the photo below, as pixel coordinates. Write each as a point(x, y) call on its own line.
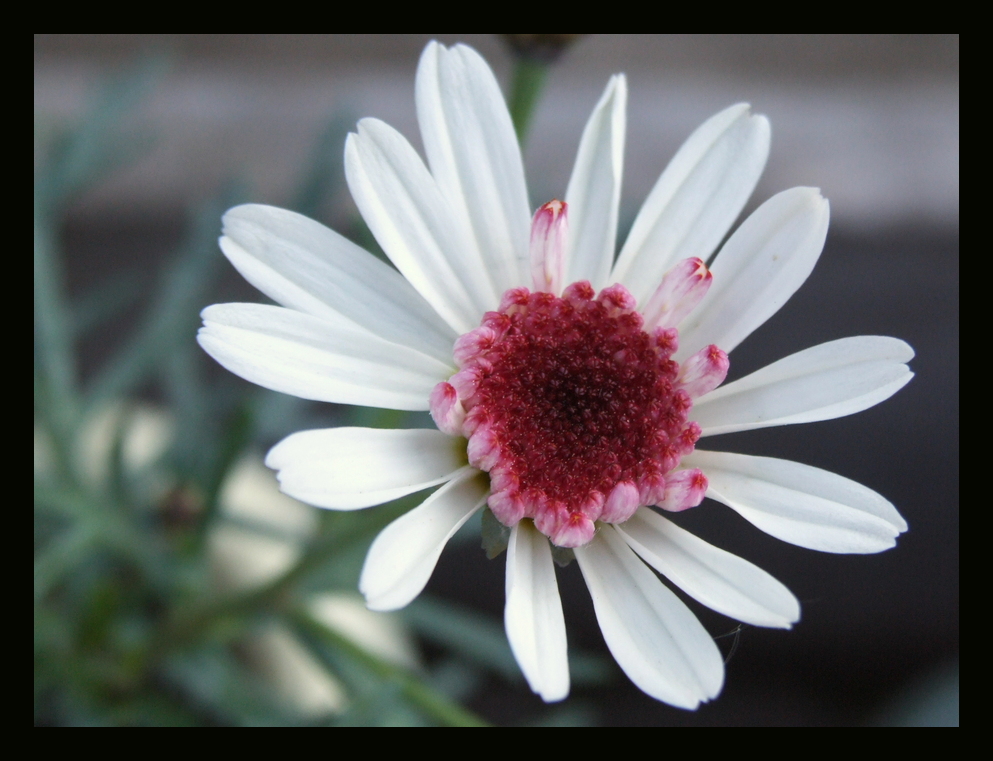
point(581, 398)
point(577, 412)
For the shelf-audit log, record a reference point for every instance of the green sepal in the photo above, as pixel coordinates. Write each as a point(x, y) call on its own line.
point(562, 556)
point(495, 534)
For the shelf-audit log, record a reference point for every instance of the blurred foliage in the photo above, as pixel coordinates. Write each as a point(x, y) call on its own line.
point(533, 54)
point(135, 621)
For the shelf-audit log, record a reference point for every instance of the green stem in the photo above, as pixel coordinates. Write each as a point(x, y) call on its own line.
point(237, 435)
point(529, 80)
point(428, 700)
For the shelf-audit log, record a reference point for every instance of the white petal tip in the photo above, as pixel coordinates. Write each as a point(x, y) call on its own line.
point(805, 194)
point(782, 618)
point(381, 605)
point(615, 92)
point(274, 457)
point(882, 546)
point(379, 602)
point(786, 622)
point(554, 696)
point(236, 213)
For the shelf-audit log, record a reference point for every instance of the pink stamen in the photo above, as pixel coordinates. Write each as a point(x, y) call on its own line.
point(688, 438)
point(466, 381)
point(446, 409)
point(473, 343)
point(651, 489)
point(704, 371)
point(512, 298)
point(683, 490)
point(679, 292)
point(497, 322)
point(624, 499)
point(548, 514)
point(507, 506)
point(548, 235)
point(618, 299)
point(574, 530)
point(484, 448)
point(667, 340)
point(579, 293)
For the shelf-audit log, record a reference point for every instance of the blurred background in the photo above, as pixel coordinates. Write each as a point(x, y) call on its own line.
point(175, 585)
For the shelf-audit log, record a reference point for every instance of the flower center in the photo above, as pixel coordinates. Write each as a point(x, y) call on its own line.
point(581, 399)
point(575, 410)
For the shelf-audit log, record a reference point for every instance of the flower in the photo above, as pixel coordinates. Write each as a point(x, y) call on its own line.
point(569, 390)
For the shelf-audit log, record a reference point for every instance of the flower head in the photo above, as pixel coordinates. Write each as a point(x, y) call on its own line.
point(569, 390)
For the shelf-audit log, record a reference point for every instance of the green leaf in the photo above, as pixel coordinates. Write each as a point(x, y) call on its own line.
point(416, 691)
point(476, 637)
point(61, 556)
point(175, 313)
point(54, 357)
point(220, 686)
point(106, 300)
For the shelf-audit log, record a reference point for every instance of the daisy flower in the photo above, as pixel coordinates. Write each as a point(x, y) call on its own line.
point(569, 387)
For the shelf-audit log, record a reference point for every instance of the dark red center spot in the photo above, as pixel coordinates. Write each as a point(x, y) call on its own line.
point(579, 397)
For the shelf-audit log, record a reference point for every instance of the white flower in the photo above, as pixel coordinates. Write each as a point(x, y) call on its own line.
point(566, 411)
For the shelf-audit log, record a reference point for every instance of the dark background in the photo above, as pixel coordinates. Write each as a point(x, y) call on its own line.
point(872, 120)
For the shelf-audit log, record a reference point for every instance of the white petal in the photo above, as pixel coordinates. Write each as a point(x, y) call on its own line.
point(403, 556)
point(654, 637)
point(349, 468)
point(475, 157)
point(594, 190)
point(303, 265)
point(533, 616)
point(831, 380)
point(317, 358)
point(801, 504)
point(416, 226)
point(763, 263)
point(718, 579)
point(696, 200)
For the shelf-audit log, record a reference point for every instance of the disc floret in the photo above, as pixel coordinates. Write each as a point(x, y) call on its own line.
point(578, 414)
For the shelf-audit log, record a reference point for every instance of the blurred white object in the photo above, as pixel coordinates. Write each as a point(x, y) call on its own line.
point(146, 433)
point(381, 634)
point(262, 531)
point(260, 535)
point(297, 676)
